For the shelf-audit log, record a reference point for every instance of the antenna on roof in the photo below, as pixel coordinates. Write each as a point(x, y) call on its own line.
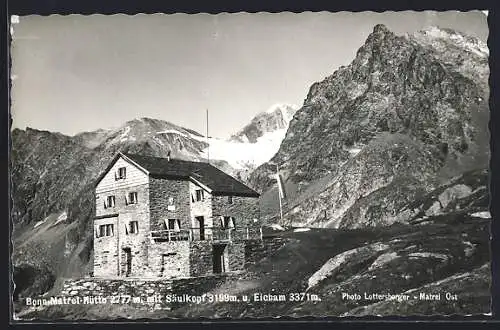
point(208, 147)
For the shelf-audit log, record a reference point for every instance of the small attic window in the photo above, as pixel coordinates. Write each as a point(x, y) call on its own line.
point(122, 173)
point(199, 195)
point(230, 199)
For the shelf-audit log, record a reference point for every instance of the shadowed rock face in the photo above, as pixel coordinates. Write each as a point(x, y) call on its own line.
point(411, 86)
point(31, 281)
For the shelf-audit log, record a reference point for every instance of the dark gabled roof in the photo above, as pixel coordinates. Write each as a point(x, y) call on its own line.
point(216, 180)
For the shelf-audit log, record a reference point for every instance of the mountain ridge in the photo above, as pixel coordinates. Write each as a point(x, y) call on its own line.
point(393, 85)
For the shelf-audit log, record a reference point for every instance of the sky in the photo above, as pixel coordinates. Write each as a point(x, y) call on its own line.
point(81, 73)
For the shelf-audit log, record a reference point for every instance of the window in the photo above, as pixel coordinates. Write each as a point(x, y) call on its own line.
point(228, 222)
point(106, 230)
point(199, 195)
point(122, 172)
point(131, 198)
point(230, 199)
point(174, 224)
point(110, 202)
point(134, 227)
point(170, 201)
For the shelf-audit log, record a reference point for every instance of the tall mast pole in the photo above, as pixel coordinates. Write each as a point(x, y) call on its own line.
point(279, 191)
point(208, 147)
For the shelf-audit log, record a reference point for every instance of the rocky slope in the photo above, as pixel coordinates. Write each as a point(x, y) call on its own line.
point(424, 94)
point(446, 251)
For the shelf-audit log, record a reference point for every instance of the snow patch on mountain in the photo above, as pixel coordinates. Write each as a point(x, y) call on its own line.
point(472, 44)
point(287, 110)
point(125, 134)
point(172, 131)
point(244, 155)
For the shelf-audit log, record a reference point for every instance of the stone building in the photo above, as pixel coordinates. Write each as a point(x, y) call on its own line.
point(162, 217)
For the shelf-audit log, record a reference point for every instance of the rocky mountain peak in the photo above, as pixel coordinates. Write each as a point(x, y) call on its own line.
point(275, 119)
point(381, 30)
point(393, 85)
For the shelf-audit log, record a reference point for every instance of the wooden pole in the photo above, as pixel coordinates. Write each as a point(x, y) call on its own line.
point(208, 147)
point(279, 194)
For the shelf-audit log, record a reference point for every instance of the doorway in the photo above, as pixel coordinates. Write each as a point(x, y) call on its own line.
point(219, 257)
point(128, 261)
point(201, 228)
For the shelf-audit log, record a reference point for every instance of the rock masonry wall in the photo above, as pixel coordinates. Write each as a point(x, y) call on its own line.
point(139, 293)
point(256, 250)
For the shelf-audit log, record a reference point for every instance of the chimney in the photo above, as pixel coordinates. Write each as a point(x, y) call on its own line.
point(168, 155)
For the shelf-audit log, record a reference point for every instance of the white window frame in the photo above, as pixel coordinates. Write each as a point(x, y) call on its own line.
point(132, 198)
point(133, 227)
point(106, 230)
point(177, 224)
point(201, 195)
point(227, 222)
point(110, 201)
point(122, 170)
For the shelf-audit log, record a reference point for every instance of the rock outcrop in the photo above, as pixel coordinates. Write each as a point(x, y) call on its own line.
point(426, 93)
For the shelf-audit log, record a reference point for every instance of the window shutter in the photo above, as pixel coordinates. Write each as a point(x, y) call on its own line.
point(165, 223)
point(105, 206)
point(221, 218)
point(231, 222)
point(126, 228)
point(126, 200)
point(116, 177)
point(178, 225)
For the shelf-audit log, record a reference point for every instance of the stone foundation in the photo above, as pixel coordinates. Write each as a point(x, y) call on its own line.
point(257, 250)
point(140, 293)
